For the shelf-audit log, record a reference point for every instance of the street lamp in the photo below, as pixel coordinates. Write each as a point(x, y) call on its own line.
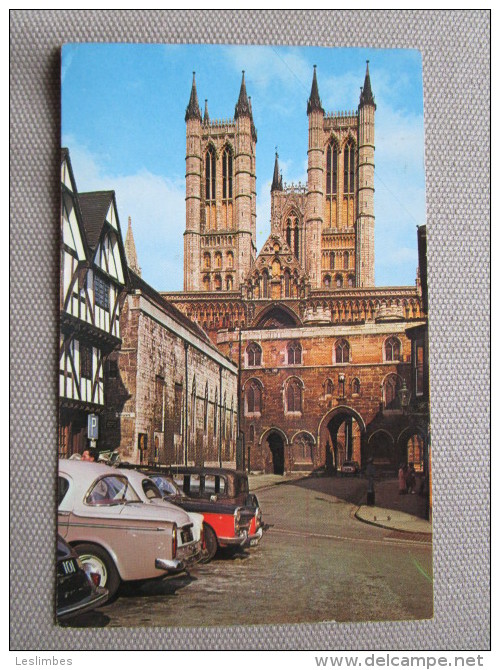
point(404, 396)
point(341, 384)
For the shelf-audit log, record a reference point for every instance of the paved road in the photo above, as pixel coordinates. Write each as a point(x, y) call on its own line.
point(316, 562)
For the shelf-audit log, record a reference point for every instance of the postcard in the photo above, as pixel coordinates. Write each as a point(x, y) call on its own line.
point(244, 411)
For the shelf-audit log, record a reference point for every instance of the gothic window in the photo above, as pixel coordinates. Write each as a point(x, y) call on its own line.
point(392, 349)
point(296, 240)
point(294, 353)
point(229, 283)
point(206, 261)
point(356, 386)
point(254, 355)
point(230, 259)
point(339, 281)
point(329, 387)
point(349, 169)
point(331, 169)
point(227, 175)
point(210, 174)
point(215, 412)
point(218, 259)
point(265, 282)
point(289, 232)
point(346, 260)
point(391, 387)
point(418, 363)
point(332, 260)
point(206, 283)
point(327, 281)
point(218, 283)
point(287, 284)
point(350, 281)
point(85, 361)
point(251, 433)
point(253, 398)
point(342, 351)
point(293, 396)
point(205, 410)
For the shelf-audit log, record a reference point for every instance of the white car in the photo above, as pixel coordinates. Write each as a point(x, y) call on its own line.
point(119, 528)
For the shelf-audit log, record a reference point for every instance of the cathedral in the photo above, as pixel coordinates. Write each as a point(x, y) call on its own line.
point(324, 358)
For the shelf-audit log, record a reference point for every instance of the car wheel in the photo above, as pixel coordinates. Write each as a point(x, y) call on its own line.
point(209, 544)
point(101, 563)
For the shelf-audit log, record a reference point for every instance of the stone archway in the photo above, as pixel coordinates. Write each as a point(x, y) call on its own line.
point(412, 448)
point(342, 430)
point(381, 448)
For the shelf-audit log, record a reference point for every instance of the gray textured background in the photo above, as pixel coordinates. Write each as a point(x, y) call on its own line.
point(455, 47)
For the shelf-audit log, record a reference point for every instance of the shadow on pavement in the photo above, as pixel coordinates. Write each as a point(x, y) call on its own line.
point(354, 489)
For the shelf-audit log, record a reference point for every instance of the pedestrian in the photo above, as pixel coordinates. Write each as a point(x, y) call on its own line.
point(402, 479)
point(329, 460)
point(89, 455)
point(411, 479)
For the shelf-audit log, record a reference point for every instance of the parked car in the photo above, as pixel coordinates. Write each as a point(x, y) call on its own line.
point(76, 590)
point(232, 515)
point(149, 493)
point(349, 468)
point(114, 532)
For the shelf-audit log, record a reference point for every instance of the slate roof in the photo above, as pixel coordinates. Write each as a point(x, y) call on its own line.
point(94, 207)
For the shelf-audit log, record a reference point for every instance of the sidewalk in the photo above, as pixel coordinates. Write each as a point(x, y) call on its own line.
point(404, 513)
point(400, 512)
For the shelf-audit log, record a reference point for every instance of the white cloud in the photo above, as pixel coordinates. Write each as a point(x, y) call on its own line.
point(157, 208)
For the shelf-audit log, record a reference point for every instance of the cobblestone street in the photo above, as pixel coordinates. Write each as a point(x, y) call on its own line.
point(316, 562)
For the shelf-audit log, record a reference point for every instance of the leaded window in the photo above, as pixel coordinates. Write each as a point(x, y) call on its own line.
point(349, 169)
point(392, 349)
point(227, 175)
point(342, 351)
point(210, 174)
point(254, 355)
point(101, 292)
point(294, 353)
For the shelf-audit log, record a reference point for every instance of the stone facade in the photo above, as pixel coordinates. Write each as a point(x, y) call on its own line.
point(172, 396)
point(284, 315)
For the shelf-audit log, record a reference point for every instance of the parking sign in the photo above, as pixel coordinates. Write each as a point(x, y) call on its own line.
point(93, 427)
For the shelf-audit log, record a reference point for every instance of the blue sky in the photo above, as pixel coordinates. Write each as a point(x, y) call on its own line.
point(123, 109)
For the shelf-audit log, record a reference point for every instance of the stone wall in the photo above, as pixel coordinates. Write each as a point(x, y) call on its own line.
point(174, 397)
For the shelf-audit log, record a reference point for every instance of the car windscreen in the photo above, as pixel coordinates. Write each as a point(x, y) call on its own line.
point(167, 487)
point(151, 491)
point(111, 490)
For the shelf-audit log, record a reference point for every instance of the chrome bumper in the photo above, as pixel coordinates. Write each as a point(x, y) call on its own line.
point(188, 555)
point(254, 539)
point(235, 541)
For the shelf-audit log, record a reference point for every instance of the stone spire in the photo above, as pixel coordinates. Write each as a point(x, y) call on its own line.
point(130, 251)
point(277, 184)
point(366, 97)
point(206, 118)
point(314, 103)
point(193, 109)
point(242, 106)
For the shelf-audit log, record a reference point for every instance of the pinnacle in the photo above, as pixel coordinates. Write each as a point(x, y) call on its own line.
point(193, 108)
point(314, 102)
point(366, 97)
point(242, 106)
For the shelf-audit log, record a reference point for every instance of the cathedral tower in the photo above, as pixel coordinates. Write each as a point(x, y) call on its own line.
point(219, 240)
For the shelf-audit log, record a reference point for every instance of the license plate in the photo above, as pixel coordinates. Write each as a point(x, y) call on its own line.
point(68, 567)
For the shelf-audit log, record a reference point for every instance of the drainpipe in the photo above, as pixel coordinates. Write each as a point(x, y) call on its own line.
point(220, 415)
point(186, 347)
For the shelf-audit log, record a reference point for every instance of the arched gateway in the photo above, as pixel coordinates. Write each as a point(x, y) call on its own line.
point(342, 432)
point(275, 440)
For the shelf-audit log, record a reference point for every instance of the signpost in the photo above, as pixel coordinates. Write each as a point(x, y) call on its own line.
point(92, 429)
